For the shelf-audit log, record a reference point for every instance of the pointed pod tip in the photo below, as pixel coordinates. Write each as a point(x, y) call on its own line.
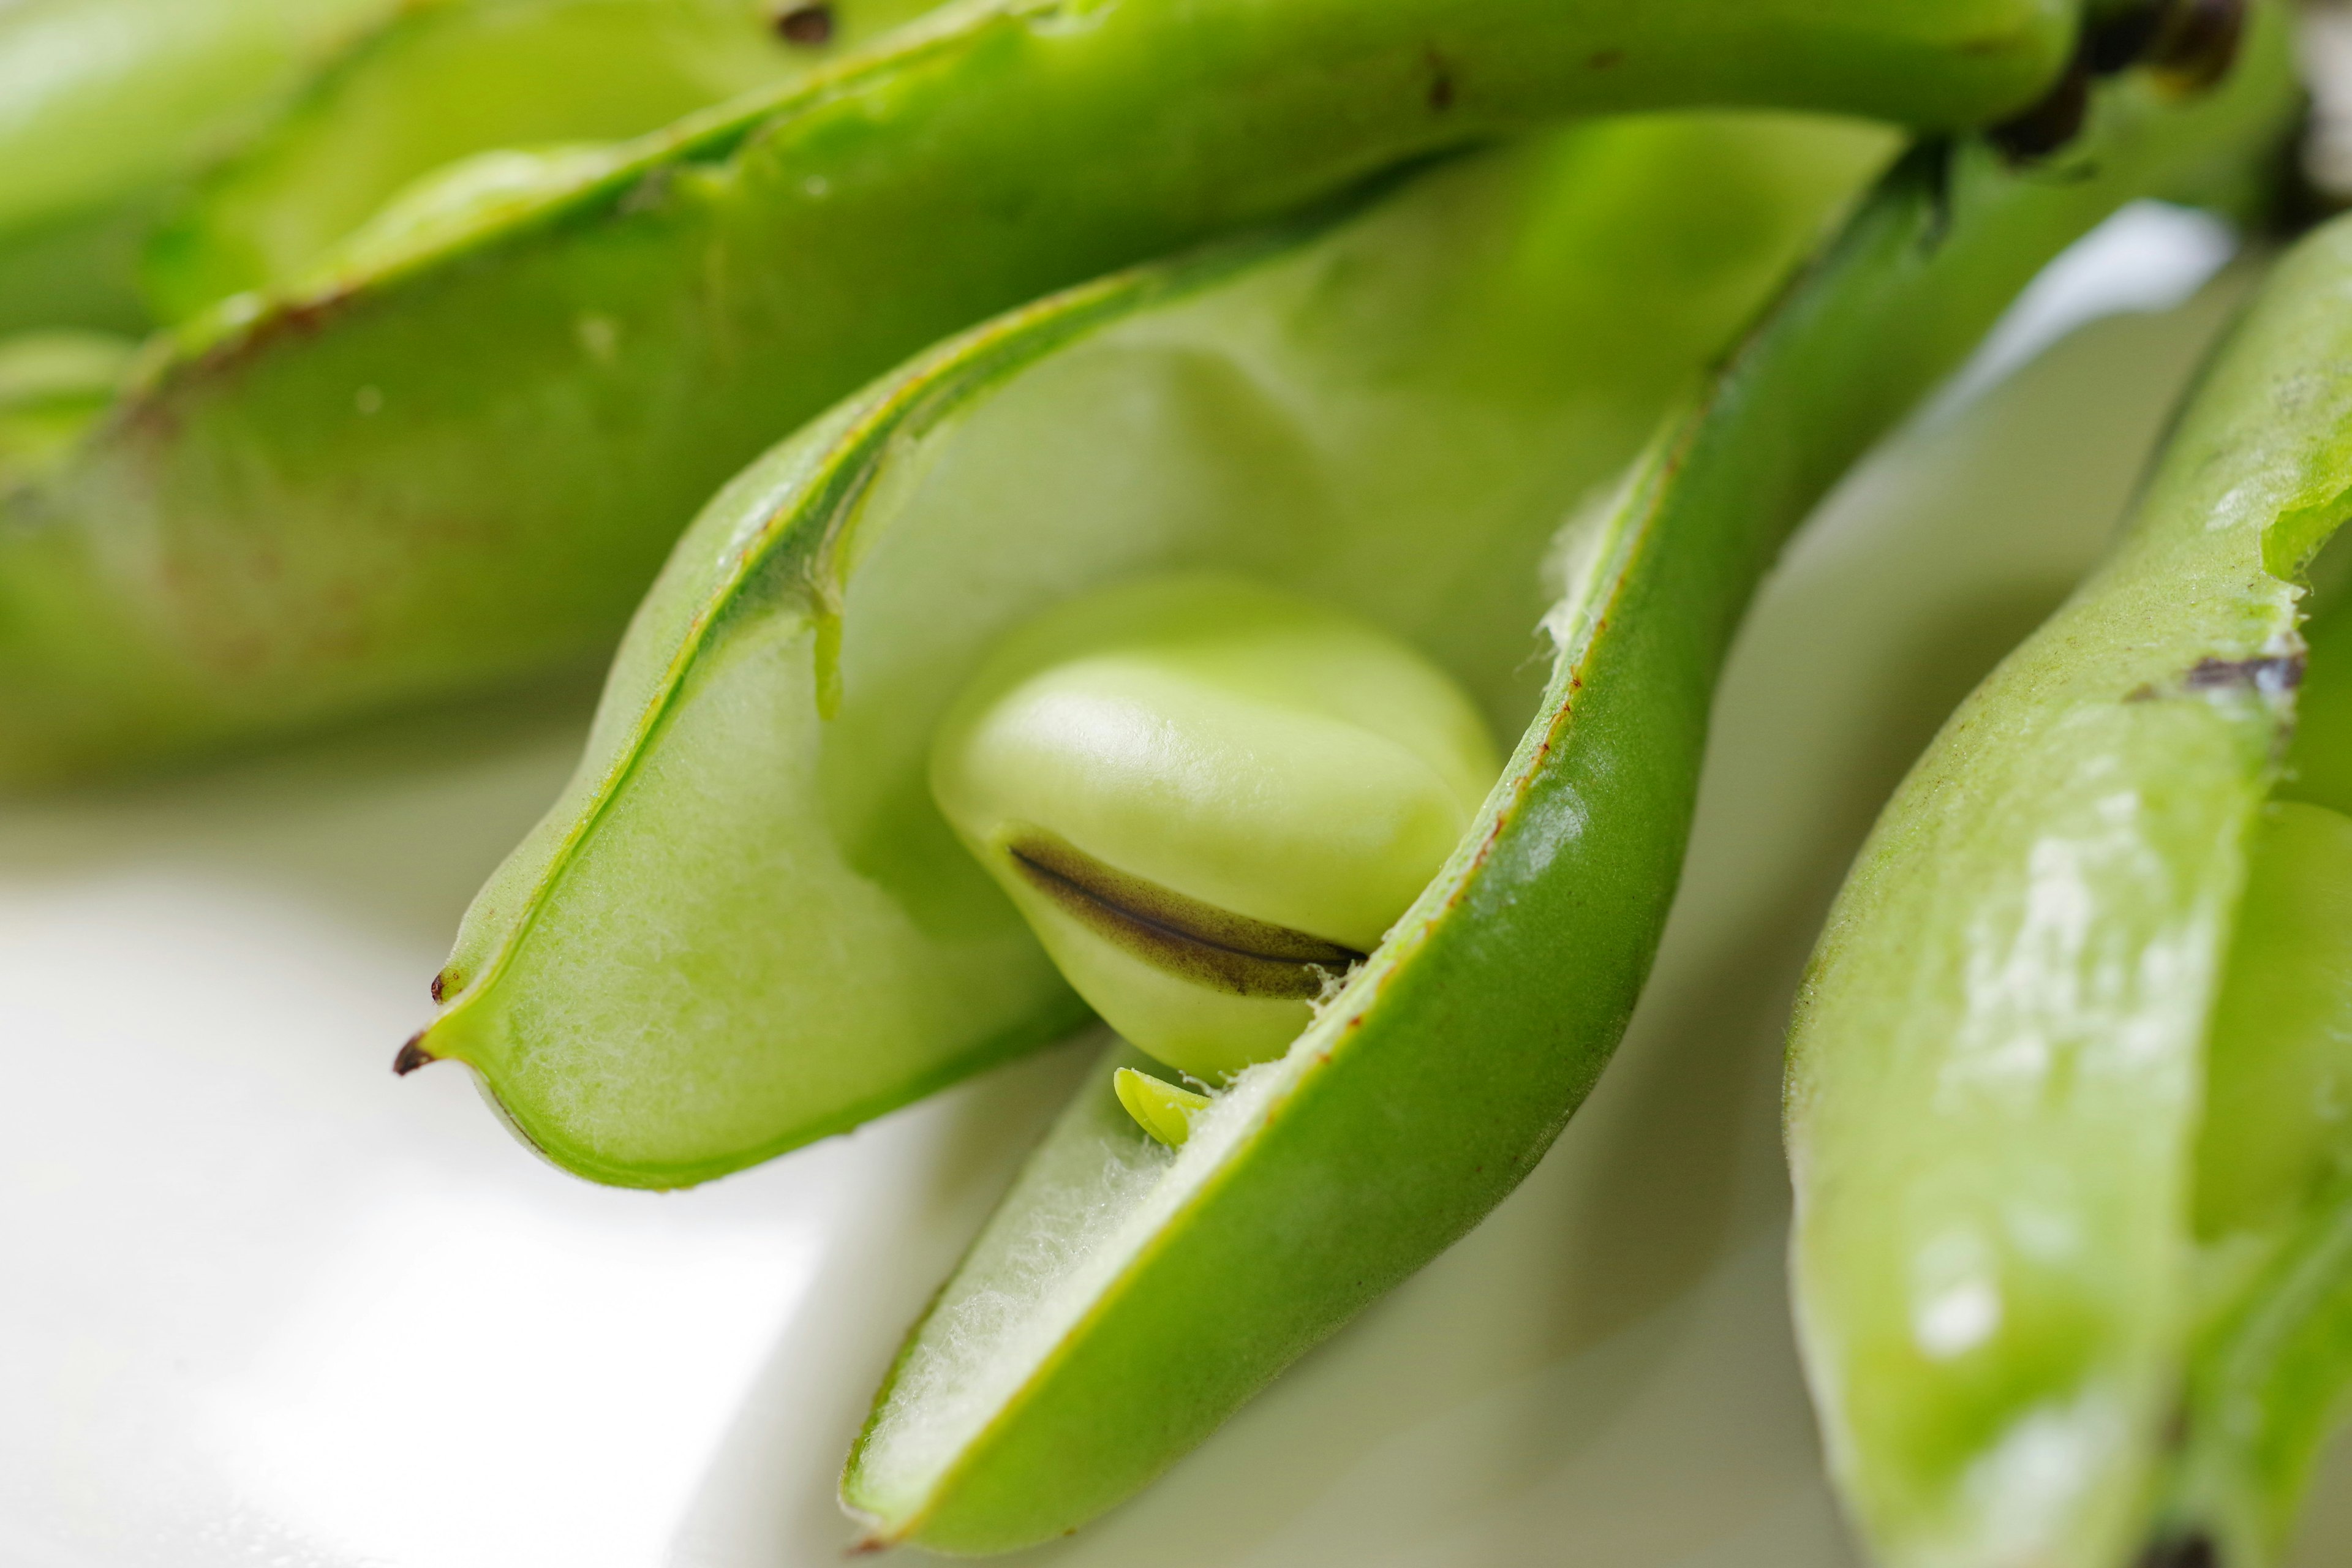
point(412, 1056)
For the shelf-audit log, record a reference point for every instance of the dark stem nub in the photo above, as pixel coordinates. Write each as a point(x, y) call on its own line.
point(2188, 44)
point(2195, 1550)
point(2049, 124)
point(1200, 941)
point(2199, 41)
point(2115, 43)
point(412, 1056)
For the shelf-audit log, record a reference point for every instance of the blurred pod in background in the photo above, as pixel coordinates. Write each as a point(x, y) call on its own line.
point(107, 107)
point(455, 460)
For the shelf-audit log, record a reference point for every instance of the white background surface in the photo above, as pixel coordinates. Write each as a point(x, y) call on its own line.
point(262, 1305)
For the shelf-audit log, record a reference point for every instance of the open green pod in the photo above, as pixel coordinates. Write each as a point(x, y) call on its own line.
point(746, 925)
point(462, 466)
point(1125, 1299)
point(2072, 1262)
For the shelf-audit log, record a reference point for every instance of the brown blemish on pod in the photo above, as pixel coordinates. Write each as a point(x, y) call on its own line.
point(2267, 675)
point(1200, 941)
point(807, 26)
point(2270, 675)
point(1441, 83)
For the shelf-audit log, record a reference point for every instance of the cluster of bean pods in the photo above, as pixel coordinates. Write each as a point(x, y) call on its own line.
point(1146, 436)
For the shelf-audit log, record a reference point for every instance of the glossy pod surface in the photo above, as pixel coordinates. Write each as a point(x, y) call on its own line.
point(1999, 1065)
point(466, 467)
point(746, 925)
point(1125, 1300)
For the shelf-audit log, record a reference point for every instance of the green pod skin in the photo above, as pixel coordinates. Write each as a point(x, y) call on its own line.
point(746, 925)
point(464, 469)
point(443, 82)
point(2027, 1208)
point(1124, 1301)
point(105, 106)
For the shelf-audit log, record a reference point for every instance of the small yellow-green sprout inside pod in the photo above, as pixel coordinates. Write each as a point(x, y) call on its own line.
point(1209, 798)
point(1159, 1108)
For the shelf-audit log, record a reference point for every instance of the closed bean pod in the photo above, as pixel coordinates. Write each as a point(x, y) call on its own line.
point(2067, 1086)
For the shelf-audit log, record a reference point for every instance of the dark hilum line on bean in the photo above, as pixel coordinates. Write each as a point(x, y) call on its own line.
point(1201, 943)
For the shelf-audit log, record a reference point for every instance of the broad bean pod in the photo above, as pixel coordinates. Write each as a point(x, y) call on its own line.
point(1124, 1300)
point(461, 464)
point(2066, 1081)
point(431, 122)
